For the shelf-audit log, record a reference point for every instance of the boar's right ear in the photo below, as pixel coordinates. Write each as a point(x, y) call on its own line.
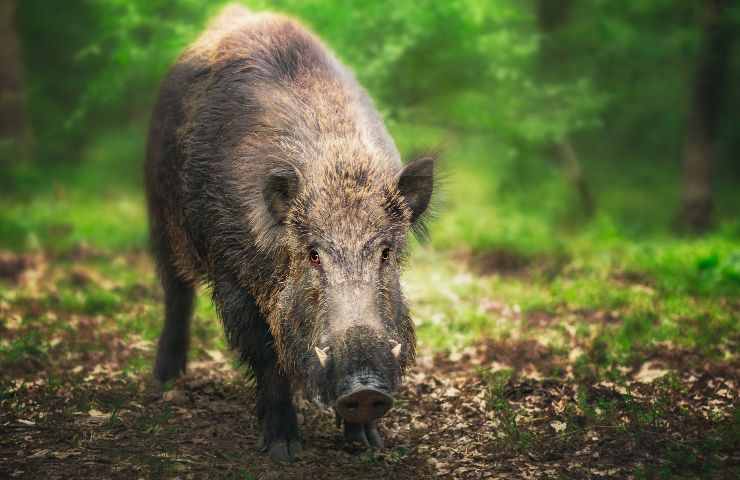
point(279, 191)
point(416, 184)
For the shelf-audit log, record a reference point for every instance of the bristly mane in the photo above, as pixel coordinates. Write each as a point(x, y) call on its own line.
point(288, 103)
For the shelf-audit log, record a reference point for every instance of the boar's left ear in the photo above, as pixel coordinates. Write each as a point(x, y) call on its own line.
point(416, 184)
point(279, 191)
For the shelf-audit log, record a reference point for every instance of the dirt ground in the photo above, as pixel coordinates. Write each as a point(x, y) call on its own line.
point(442, 428)
point(485, 412)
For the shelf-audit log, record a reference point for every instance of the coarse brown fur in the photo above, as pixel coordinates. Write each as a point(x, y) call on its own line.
point(262, 148)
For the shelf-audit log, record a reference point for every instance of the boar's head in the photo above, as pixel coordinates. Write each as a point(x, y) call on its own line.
point(340, 322)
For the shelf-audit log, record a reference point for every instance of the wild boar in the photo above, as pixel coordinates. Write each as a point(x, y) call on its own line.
point(271, 178)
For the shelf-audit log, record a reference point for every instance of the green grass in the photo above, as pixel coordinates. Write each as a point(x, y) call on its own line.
point(95, 200)
point(662, 287)
point(60, 222)
point(494, 199)
point(564, 303)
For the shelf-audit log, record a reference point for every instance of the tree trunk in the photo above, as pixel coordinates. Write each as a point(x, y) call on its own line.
point(708, 91)
point(552, 15)
point(14, 132)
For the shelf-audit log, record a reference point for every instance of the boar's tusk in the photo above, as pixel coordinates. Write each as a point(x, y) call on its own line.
point(323, 356)
point(396, 351)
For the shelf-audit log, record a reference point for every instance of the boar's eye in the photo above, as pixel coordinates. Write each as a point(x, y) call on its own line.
point(313, 255)
point(385, 254)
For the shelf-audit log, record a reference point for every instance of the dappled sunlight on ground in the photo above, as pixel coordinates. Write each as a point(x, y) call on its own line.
point(504, 387)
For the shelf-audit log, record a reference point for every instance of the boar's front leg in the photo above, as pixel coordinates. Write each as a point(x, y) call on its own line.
point(247, 332)
point(280, 434)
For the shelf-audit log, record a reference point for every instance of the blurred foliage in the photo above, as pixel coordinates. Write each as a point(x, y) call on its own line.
point(470, 77)
point(94, 64)
point(465, 64)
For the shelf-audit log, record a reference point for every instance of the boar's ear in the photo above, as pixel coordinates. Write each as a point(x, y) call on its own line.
point(416, 184)
point(279, 191)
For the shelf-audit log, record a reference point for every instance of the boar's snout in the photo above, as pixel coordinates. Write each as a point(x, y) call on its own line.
point(364, 403)
point(362, 371)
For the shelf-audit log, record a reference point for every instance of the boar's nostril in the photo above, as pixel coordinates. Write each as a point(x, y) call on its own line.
point(364, 405)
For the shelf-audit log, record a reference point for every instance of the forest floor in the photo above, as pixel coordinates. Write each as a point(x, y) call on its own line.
point(550, 398)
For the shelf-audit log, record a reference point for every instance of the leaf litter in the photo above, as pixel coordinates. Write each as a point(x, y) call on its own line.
point(77, 401)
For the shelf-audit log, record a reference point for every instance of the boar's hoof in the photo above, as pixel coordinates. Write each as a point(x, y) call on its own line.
point(284, 451)
point(365, 434)
point(281, 438)
point(169, 366)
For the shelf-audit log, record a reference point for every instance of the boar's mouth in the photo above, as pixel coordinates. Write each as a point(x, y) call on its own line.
point(356, 359)
point(356, 382)
point(357, 374)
